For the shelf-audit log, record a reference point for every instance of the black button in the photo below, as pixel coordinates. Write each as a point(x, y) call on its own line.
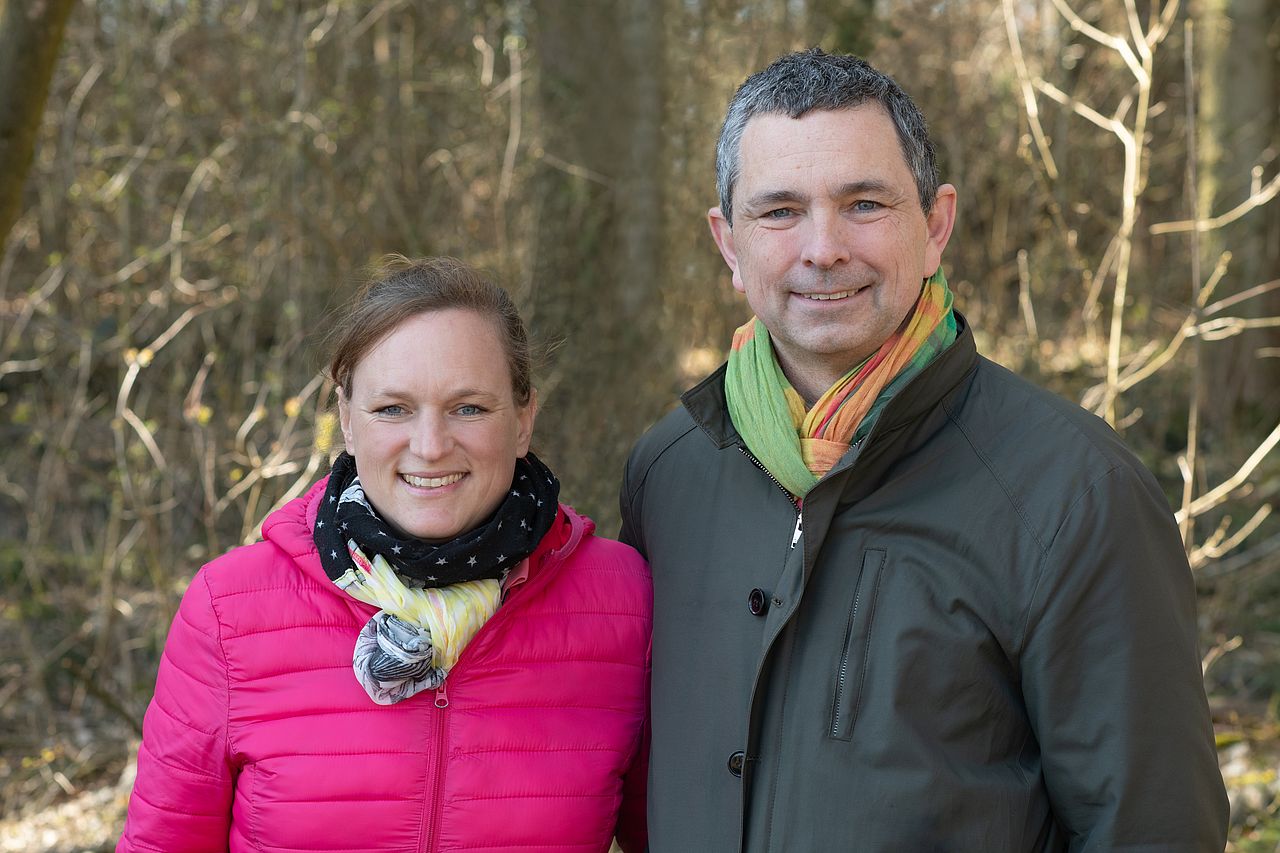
point(736, 761)
point(756, 602)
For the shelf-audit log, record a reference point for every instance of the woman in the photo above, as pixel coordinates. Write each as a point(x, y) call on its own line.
point(427, 651)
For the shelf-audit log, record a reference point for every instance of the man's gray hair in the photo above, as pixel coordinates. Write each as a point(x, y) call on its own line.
point(809, 80)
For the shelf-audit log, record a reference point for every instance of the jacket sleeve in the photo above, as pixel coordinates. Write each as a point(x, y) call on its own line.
point(1112, 681)
point(182, 796)
point(631, 532)
point(632, 832)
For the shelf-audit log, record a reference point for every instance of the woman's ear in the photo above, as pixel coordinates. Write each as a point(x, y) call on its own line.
point(525, 416)
point(344, 418)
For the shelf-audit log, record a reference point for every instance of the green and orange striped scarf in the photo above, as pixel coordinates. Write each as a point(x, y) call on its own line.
point(800, 445)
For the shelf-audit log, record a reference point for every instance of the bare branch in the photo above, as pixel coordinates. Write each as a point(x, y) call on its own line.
point(1116, 43)
point(1028, 92)
point(1222, 491)
point(1254, 200)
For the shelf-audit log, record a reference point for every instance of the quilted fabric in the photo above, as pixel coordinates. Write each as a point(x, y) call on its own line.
point(259, 738)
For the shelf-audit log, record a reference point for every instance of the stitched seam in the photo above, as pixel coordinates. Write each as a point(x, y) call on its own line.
point(571, 796)
point(182, 811)
point(522, 846)
point(866, 649)
point(573, 660)
point(268, 675)
point(654, 461)
point(229, 749)
point(160, 759)
point(557, 706)
point(987, 464)
point(173, 663)
point(343, 625)
point(536, 750)
point(182, 722)
point(1043, 569)
point(326, 753)
point(308, 587)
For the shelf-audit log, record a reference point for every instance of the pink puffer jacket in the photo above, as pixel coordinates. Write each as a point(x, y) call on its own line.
point(260, 739)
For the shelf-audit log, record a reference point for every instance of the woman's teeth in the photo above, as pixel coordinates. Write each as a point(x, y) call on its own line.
point(430, 482)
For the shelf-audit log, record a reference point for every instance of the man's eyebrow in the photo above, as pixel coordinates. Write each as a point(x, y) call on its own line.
point(769, 197)
point(869, 185)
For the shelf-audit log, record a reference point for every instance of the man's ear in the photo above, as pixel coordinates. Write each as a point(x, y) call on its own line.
point(722, 233)
point(938, 225)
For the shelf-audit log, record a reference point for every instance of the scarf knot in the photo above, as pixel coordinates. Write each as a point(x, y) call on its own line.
point(432, 597)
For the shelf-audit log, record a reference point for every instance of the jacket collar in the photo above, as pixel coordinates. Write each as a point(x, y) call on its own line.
point(706, 402)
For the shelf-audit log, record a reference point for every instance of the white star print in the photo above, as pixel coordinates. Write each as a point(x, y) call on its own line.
point(441, 561)
point(471, 561)
point(333, 554)
point(395, 550)
point(522, 524)
point(501, 557)
point(319, 524)
point(431, 577)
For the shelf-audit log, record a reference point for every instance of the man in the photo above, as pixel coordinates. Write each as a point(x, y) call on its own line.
point(904, 600)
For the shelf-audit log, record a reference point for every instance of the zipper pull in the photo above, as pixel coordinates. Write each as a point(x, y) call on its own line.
point(442, 696)
point(795, 536)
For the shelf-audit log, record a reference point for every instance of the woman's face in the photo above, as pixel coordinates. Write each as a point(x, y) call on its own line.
point(433, 424)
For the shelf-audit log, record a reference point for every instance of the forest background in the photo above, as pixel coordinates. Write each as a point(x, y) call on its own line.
point(189, 187)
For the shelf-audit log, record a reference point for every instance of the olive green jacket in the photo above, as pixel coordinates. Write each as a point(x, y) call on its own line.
point(983, 639)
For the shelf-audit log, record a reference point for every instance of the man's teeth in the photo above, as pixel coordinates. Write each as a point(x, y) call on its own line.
point(827, 297)
point(430, 482)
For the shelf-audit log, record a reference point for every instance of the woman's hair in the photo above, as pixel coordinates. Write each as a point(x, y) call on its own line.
point(400, 288)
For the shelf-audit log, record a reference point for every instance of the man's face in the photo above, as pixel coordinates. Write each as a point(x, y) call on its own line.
point(828, 240)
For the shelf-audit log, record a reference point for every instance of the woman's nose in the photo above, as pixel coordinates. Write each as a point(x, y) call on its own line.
point(431, 438)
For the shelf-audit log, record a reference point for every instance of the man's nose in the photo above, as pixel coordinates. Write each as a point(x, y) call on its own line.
point(828, 241)
point(431, 438)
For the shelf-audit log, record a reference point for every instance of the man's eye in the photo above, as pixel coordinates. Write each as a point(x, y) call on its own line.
point(470, 410)
point(393, 410)
point(865, 206)
point(778, 213)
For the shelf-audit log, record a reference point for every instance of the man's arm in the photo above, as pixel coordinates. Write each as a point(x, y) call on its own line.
point(1112, 681)
point(627, 501)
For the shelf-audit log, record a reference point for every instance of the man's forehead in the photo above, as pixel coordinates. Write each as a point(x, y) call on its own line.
point(863, 138)
point(869, 113)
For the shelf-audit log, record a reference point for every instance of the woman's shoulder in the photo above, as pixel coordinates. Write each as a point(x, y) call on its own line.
point(283, 557)
point(587, 547)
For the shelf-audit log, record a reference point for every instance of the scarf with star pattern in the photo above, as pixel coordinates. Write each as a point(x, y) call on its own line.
point(433, 597)
point(798, 445)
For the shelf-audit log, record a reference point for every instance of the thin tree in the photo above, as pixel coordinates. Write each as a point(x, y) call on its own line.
point(30, 35)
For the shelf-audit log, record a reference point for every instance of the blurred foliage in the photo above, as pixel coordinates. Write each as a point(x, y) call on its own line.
point(211, 177)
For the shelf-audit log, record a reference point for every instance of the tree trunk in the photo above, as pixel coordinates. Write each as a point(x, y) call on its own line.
point(30, 34)
point(1239, 89)
point(596, 275)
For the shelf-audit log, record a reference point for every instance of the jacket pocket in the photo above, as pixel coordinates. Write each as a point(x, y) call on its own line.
point(857, 646)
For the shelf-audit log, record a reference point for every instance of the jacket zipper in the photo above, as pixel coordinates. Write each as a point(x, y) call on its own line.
point(442, 748)
point(795, 534)
point(844, 663)
point(442, 712)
